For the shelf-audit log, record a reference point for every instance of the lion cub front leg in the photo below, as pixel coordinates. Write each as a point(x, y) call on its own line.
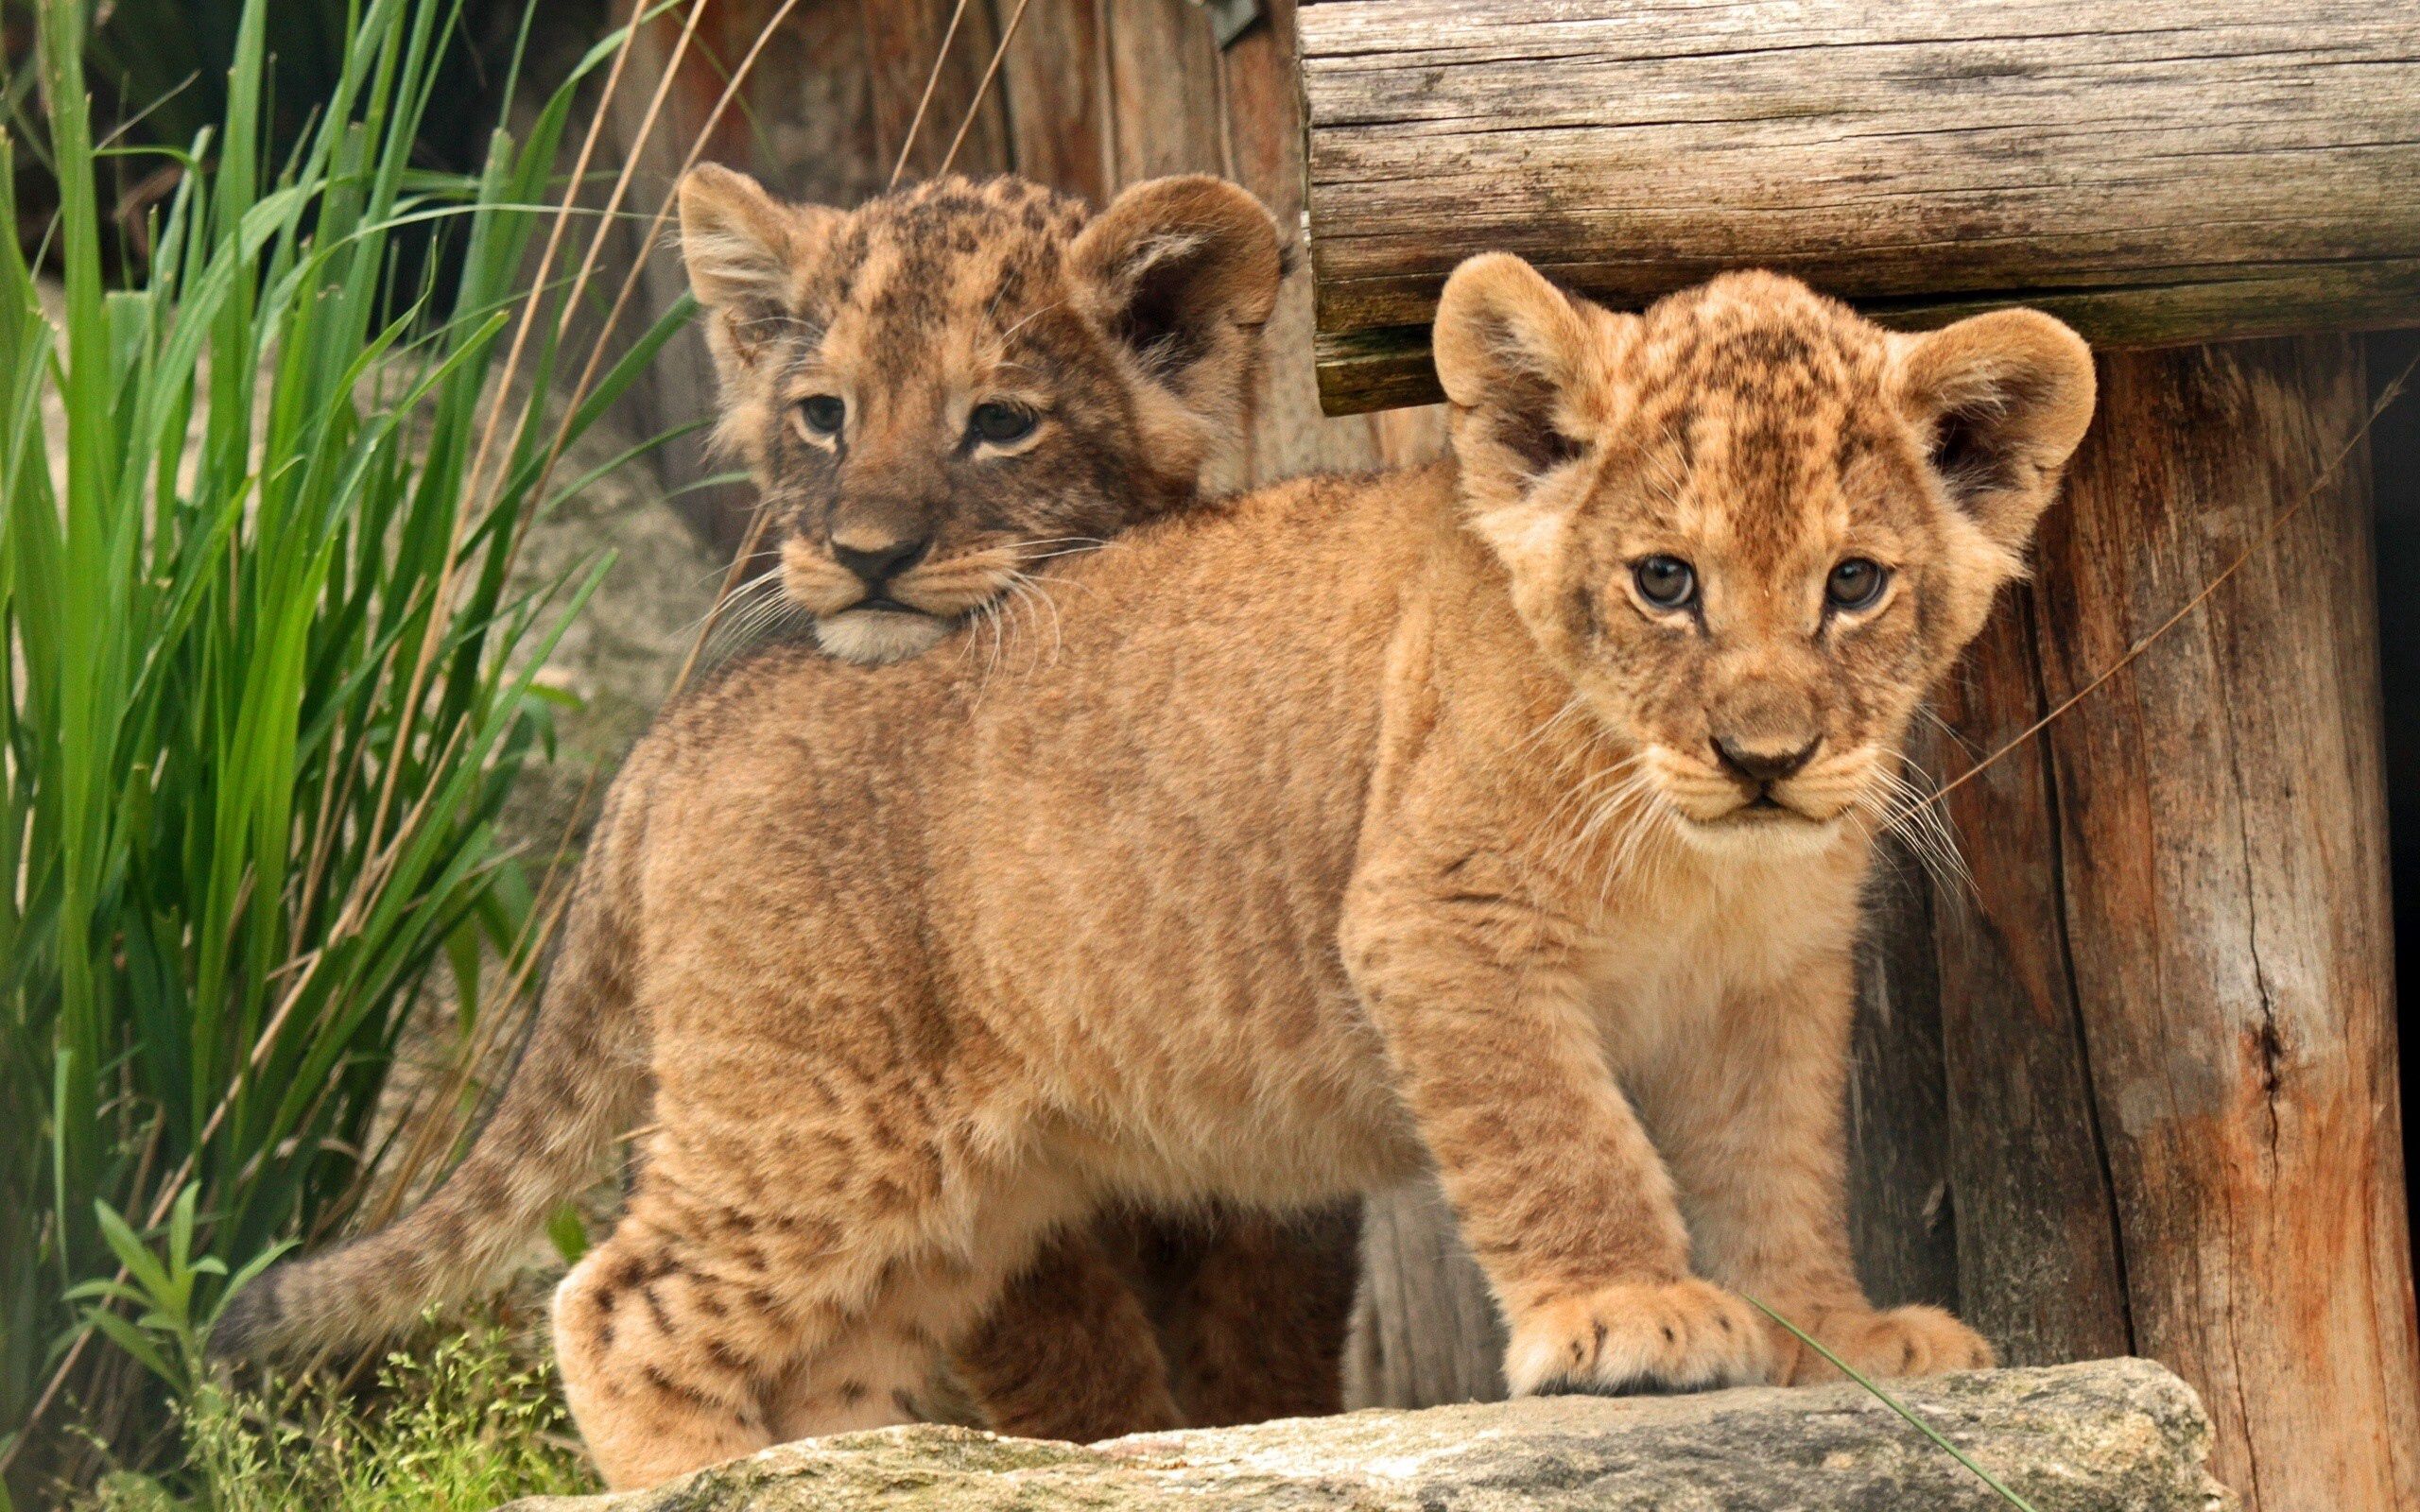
point(1560, 1195)
point(1753, 1126)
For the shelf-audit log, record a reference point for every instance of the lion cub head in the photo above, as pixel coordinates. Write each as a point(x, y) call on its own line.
point(948, 385)
point(1751, 527)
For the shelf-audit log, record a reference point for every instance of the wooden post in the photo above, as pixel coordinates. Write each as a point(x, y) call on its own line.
point(1902, 1212)
point(2169, 1015)
point(1426, 1331)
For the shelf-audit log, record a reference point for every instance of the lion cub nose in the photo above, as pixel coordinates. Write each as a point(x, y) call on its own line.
point(1761, 762)
point(879, 563)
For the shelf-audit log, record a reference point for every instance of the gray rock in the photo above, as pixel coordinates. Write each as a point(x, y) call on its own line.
point(2120, 1435)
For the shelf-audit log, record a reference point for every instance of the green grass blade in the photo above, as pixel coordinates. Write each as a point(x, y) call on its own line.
point(1893, 1404)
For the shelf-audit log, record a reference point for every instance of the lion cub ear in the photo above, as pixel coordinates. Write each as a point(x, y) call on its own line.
point(1182, 273)
point(1524, 367)
point(743, 248)
point(2000, 399)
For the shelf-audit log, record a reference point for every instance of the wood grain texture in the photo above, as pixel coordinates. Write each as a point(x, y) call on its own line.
point(903, 40)
point(1426, 1332)
point(1055, 82)
point(1903, 1215)
point(2170, 1018)
point(2039, 1264)
point(2156, 171)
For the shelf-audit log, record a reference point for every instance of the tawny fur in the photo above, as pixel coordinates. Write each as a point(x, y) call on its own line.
point(1130, 339)
point(1355, 828)
point(1132, 336)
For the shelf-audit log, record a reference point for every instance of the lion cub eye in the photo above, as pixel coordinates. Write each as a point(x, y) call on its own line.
point(1000, 423)
point(1666, 583)
point(822, 415)
point(1855, 583)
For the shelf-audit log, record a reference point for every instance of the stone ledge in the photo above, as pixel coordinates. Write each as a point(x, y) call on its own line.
point(2118, 1435)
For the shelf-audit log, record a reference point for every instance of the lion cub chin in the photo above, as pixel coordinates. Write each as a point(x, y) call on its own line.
point(1505, 818)
point(876, 636)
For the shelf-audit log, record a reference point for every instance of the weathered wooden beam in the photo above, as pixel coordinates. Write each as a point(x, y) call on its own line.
point(2155, 171)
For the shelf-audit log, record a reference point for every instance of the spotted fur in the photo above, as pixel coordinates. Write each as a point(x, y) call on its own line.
point(1129, 340)
point(1130, 337)
point(1356, 827)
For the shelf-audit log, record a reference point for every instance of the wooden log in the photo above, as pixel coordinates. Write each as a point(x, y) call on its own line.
point(2155, 171)
point(2171, 1013)
point(1903, 1211)
point(1425, 1332)
point(2040, 1269)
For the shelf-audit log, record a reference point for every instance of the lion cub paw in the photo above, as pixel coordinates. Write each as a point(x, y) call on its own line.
point(1684, 1336)
point(1902, 1341)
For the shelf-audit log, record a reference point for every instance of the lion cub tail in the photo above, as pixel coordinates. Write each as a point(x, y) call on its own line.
point(579, 1084)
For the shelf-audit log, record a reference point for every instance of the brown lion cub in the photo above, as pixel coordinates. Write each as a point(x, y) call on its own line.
point(942, 394)
point(948, 385)
point(1506, 816)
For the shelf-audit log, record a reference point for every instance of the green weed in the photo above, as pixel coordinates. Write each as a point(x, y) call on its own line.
point(267, 674)
point(463, 1427)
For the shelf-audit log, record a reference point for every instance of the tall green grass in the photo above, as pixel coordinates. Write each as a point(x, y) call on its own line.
point(268, 678)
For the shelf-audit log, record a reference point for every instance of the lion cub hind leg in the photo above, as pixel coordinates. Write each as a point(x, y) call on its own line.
point(875, 1367)
point(1256, 1328)
point(705, 1330)
point(664, 1359)
point(1068, 1350)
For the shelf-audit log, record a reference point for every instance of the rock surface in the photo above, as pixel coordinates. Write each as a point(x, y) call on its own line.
point(2120, 1435)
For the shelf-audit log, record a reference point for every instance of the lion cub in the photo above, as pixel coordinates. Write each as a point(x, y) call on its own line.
point(1506, 816)
point(941, 395)
point(952, 385)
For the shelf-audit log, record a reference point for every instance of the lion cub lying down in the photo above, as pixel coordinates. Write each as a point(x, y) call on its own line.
point(1507, 816)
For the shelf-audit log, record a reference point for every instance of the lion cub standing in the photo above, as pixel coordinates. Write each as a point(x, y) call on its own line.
point(1507, 816)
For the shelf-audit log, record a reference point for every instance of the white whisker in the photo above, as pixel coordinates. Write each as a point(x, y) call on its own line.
point(1909, 811)
point(1030, 590)
point(1071, 551)
point(1000, 343)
